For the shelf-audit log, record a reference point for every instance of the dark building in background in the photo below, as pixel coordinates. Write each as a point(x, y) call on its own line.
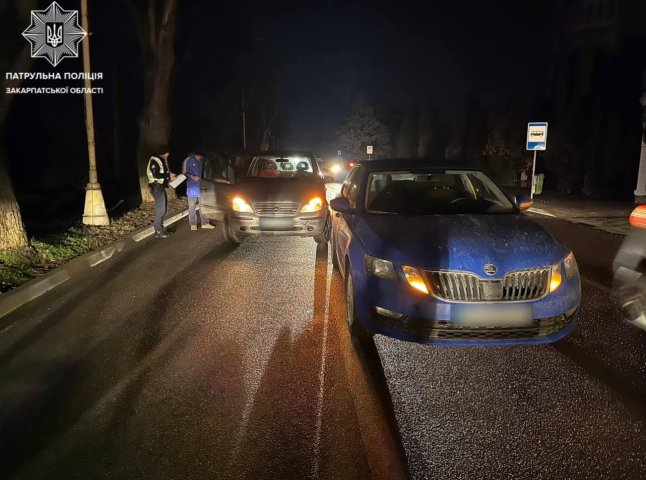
point(595, 119)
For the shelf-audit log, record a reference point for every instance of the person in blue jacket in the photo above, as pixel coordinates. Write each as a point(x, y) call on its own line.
point(192, 168)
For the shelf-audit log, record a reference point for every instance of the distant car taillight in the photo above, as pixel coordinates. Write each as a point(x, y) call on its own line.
point(638, 217)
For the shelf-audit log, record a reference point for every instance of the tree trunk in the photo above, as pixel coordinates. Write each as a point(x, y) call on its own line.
point(155, 123)
point(12, 230)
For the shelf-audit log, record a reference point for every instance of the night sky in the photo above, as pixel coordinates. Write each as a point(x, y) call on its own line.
point(319, 55)
point(322, 55)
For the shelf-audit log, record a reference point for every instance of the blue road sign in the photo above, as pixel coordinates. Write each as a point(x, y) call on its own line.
point(537, 136)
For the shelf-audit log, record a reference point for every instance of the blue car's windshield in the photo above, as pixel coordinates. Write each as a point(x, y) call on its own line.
point(436, 191)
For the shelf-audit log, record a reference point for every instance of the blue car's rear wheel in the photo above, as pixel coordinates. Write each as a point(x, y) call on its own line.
point(357, 331)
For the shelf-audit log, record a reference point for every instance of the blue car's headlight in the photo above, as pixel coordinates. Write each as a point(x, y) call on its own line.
point(415, 279)
point(567, 265)
point(570, 266)
point(380, 268)
point(555, 277)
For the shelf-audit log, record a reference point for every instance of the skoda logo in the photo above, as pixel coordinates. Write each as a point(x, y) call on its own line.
point(490, 269)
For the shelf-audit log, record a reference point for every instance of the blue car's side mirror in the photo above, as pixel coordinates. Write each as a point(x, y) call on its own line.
point(341, 205)
point(523, 202)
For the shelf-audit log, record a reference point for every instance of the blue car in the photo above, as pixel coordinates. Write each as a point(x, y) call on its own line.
point(442, 255)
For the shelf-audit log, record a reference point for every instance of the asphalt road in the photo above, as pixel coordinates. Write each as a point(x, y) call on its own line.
point(189, 359)
point(575, 409)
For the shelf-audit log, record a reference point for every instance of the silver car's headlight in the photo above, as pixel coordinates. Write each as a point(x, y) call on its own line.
point(314, 205)
point(570, 266)
point(380, 268)
point(238, 204)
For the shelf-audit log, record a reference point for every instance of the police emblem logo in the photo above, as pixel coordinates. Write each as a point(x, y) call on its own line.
point(54, 34)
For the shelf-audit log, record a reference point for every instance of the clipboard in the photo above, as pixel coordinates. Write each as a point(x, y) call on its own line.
point(178, 180)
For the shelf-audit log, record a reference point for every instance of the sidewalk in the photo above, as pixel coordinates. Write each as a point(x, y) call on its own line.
point(604, 215)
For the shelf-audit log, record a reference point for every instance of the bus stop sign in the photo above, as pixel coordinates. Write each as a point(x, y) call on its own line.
point(537, 136)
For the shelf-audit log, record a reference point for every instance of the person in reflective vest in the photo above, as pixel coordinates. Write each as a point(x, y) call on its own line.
point(159, 175)
point(192, 168)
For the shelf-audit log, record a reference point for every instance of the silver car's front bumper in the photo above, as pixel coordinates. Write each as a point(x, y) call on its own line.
point(301, 225)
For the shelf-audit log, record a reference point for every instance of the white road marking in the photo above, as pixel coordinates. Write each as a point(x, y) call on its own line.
point(540, 211)
point(319, 406)
point(101, 257)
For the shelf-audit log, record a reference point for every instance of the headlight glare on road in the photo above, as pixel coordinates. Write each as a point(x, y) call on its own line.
point(570, 266)
point(555, 278)
point(314, 205)
point(239, 205)
point(414, 279)
point(380, 268)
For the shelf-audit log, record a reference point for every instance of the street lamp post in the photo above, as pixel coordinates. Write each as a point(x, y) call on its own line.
point(94, 212)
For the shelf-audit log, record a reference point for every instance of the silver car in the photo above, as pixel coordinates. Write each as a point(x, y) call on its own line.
point(282, 193)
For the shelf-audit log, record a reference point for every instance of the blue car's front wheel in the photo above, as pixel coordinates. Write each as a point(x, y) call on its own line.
point(357, 331)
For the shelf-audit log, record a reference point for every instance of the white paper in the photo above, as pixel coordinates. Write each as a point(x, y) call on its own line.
point(178, 180)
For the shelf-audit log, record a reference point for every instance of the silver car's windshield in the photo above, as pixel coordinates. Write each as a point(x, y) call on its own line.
point(436, 191)
point(274, 166)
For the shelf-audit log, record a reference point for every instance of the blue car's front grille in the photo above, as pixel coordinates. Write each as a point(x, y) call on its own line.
point(445, 330)
point(526, 284)
point(469, 287)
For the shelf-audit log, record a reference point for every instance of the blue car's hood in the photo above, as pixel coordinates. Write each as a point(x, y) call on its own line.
point(460, 242)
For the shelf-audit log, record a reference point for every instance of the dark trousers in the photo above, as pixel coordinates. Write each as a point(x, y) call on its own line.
point(161, 205)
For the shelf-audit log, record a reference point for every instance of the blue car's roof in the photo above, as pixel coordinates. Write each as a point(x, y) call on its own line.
point(413, 164)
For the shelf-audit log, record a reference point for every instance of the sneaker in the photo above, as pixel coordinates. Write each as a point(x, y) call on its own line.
point(161, 234)
point(193, 227)
point(208, 226)
point(167, 232)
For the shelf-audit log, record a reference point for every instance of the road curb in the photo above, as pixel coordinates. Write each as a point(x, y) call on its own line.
point(33, 289)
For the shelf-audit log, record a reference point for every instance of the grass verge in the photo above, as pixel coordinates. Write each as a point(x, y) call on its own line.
point(50, 251)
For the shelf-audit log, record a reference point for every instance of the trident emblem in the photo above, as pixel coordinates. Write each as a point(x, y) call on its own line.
point(54, 34)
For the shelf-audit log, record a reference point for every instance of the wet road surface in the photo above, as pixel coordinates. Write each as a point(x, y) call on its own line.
point(188, 359)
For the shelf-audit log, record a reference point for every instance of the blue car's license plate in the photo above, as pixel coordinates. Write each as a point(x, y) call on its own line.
point(491, 316)
point(276, 224)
